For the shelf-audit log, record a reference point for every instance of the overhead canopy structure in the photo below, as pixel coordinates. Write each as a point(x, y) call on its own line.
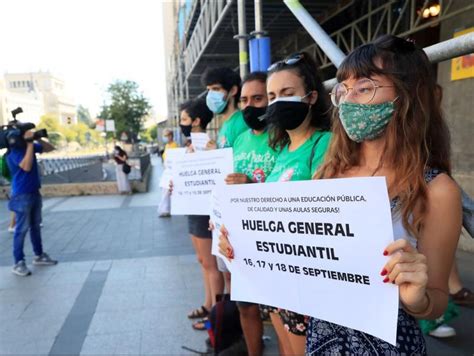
point(208, 39)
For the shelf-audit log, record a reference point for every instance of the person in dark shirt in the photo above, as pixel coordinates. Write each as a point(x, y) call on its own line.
point(26, 201)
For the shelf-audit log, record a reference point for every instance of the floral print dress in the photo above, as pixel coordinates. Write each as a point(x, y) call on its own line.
point(328, 339)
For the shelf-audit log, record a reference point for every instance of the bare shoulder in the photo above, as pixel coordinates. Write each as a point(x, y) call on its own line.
point(443, 189)
point(443, 219)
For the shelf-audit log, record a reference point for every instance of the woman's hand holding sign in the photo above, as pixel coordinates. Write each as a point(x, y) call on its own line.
point(225, 248)
point(408, 269)
point(211, 145)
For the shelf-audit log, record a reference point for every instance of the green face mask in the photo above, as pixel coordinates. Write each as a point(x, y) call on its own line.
point(364, 121)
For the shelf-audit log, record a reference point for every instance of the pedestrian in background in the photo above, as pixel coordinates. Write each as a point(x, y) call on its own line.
point(120, 158)
point(164, 208)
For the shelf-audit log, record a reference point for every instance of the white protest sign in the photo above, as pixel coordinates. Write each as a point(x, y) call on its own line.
point(323, 241)
point(195, 175)
point(216, 219)
point(171, 155)
point(109, 125)
point(199, 140)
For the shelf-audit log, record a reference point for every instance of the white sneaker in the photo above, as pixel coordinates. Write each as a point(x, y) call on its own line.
point(443, 331)
point(11, 230)
point(20, 269)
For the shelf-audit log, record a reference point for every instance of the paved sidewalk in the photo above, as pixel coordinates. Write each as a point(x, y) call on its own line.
point(124, 285)
point(125, 282)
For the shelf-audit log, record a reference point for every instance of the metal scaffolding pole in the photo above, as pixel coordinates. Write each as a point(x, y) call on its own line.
point(439, 52)
point(242, 37)
point(258, 19)
point(452, 48)
point(323, 40)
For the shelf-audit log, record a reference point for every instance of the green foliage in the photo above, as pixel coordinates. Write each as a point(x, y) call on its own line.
point(84, 116)
point(127, 107)
point(145, 136)
point(154, 132)
point(72, 133)
point(51, 123)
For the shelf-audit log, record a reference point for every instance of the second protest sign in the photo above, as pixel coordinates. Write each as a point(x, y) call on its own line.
point(195, 175)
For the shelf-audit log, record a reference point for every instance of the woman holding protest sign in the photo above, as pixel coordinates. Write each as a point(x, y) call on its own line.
point(387, 123)
point(195, 116)
point(299, 124)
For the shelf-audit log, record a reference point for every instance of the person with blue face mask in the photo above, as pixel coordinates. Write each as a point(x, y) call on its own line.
point(223, 93)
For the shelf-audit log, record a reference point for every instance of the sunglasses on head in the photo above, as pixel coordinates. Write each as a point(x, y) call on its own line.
point(288, 61)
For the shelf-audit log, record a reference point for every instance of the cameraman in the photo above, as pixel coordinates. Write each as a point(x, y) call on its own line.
point(26, 200)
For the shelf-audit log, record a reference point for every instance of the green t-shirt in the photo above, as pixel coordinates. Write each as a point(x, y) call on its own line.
point(295, 165)
point(231, 129)
point(253, 156)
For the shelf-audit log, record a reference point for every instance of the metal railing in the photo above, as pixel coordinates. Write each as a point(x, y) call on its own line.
point(49, 166)
point(212, 13)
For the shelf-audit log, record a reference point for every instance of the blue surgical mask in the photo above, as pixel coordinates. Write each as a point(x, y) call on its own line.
point(165, 139)
point(215, 101)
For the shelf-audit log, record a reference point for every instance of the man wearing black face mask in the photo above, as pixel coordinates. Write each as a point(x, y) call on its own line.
point(253, 158)
point(253, 162)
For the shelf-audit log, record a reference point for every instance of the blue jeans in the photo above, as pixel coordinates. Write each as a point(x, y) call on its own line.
point(27, 208)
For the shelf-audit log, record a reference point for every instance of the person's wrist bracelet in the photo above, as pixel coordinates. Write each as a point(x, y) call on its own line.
point(424, 313)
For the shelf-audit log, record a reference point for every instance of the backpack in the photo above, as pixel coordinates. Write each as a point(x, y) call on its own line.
point(224, 329)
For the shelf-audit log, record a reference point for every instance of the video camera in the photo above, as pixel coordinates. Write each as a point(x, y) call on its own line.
point(11, 135)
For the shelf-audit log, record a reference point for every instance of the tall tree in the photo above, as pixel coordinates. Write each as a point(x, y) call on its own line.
point(127, 107)
point(84, 116)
